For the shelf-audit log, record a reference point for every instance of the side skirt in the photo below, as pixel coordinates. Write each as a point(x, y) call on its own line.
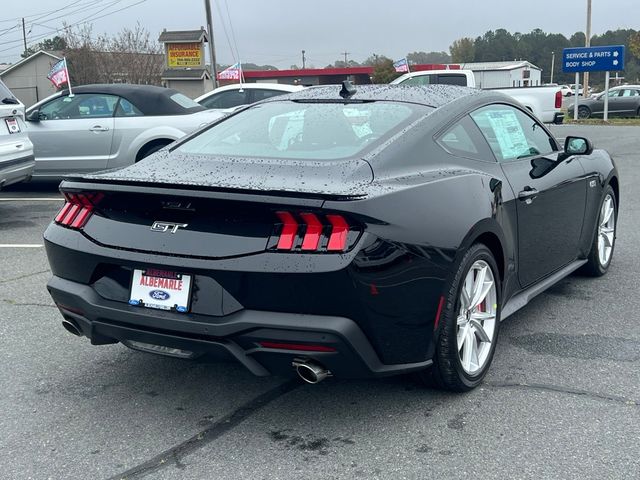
point(521, 299)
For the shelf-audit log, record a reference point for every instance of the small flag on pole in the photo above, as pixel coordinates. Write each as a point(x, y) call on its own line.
point(234, 72)
point(401, 66)
point(59, 74)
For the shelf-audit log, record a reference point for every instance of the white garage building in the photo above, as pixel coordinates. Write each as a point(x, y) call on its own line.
point(27, 79)
point(518, 73)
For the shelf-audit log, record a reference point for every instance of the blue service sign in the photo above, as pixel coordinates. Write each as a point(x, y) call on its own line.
point(593, 59)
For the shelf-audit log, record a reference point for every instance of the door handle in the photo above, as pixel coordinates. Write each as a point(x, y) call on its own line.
point(99, 128)
point(528, 194)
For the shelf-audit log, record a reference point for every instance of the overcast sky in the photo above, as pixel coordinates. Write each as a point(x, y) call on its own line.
point(274, 32)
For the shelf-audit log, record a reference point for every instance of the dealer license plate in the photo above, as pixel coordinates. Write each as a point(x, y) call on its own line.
point(12, 125)
point(154, 288)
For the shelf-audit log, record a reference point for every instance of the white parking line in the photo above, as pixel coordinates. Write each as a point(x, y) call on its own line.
point(21, 245)
point(27, 199)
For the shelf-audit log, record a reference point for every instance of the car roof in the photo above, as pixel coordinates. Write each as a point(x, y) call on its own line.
point(149, 99)
point(429, 95)
point(281, 87)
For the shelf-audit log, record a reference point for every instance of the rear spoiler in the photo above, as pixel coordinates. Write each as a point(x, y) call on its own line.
point(258, 196)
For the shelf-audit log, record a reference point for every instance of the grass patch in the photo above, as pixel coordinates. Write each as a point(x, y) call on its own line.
point(599, 121)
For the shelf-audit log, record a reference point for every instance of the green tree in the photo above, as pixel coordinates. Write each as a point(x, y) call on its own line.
point(634, 45)
point(50, 44)
point(343, 64)
point(383, 71)
point(463, 50)
point(421, 58)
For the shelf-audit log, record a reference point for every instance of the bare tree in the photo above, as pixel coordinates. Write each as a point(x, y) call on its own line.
point(130, 56)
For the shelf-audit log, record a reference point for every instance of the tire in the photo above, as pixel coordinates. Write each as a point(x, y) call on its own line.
point(453, 366)
point(584, 112)
point(604, 239)
point(149, 149)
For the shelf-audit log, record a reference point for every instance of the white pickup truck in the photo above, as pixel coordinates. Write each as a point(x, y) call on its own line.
point(544, 102)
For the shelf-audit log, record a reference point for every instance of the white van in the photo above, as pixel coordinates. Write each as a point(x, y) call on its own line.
point(16, 150)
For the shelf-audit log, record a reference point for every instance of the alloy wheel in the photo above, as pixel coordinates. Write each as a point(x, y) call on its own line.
point(583, 112)
point(606, 230)
point(476, 322)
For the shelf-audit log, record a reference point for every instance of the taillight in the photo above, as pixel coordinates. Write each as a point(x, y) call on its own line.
point(558, 99)
point(310, 232)
point(78, 209)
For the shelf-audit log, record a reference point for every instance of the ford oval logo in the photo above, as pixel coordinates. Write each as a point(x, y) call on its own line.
point(159, 295)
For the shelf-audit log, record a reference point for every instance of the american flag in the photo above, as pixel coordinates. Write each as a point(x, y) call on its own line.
point(231, 73)
point(401, 66)
point(59, 73)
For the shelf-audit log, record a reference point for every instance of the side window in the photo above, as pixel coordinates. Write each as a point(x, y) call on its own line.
point(511, 133)
point(629, 93)
point(463, 139)
point(452, 79)
point(614, 93)
point(84, 105)
point(418, 80)
point(127, 109)
point(263, 94)
point(228, 99)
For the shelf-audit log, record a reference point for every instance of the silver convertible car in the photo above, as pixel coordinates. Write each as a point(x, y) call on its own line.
point(107, 126)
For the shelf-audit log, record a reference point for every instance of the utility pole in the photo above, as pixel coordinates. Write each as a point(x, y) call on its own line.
point(212, 48)
point(304, 60)
point(24, 37)
point(587, 43)
point(553, 64)
point(345, 57)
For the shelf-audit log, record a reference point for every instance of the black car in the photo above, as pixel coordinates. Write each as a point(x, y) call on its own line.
point(336, 232)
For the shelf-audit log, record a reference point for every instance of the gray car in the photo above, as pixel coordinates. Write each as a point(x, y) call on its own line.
point(16, 150)
point(624, 101)
point(107, 126)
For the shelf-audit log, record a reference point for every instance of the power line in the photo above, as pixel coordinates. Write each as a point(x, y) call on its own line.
point(44, 13)
point(224, 29)
point(83, 8)
point(233, 33)
point(84, 20)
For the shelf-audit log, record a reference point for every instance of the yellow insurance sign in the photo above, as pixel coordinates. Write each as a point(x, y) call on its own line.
point(184, 55)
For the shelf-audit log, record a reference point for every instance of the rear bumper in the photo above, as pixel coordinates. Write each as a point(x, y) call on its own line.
point(16, 170)
point(558, 118)
point(236, 335)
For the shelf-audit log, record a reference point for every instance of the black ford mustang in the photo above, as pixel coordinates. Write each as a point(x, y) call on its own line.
point(336, 232)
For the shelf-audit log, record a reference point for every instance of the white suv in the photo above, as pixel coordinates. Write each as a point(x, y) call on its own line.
point(16, 150)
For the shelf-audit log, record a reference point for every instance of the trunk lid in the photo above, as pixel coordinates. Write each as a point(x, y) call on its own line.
point(212, 208)
point(345, 178)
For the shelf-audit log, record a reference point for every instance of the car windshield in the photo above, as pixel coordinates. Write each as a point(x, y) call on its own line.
point(304, 131)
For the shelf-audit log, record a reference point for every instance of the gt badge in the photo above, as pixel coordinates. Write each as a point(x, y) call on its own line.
point(164, 227)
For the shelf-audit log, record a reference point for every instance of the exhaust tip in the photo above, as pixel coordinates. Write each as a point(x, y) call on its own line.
point(71, 327)
point(310, 372)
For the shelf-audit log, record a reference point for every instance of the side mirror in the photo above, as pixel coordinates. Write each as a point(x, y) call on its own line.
point(33, 116)
point(578, 146)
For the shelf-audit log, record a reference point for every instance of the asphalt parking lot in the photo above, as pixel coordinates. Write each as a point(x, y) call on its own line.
point(562, 399)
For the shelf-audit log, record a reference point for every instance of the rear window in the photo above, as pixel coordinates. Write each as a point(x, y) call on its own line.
point(313, 131)
point(184, 101)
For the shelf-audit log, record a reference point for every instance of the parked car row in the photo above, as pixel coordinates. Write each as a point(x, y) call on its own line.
point(624, 101)
point(570, 90)
point(16, 149)
point(96, 127)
